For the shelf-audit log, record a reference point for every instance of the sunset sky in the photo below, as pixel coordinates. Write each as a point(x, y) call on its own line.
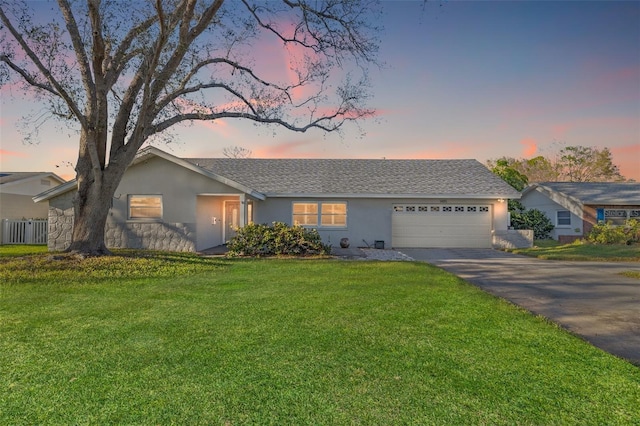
point(462, 80)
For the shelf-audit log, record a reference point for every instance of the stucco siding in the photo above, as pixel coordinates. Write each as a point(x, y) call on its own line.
point(193, 211)
point(210, 220)
point(17, 206)
point(31, 186)
point(368, 219)
point(181, 218)
point(500, 213)
point(177, 185)
point(536, 200)
point(186, 212)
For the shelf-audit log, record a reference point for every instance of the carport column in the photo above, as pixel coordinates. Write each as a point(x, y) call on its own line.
point(243, 209)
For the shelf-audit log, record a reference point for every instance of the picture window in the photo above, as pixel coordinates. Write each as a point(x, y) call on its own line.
point(328, 214)
point(305, 214)
point(145, 207)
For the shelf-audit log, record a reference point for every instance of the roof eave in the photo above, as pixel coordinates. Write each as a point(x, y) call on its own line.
point(388, 196)
point(573, 204)
point(190, 166)
point(33, 177)
point(142, 156)
point(54, 192)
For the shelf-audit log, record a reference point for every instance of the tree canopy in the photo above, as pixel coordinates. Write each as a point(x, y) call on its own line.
point(509, 174)
point(126, 72)
point(570, 164)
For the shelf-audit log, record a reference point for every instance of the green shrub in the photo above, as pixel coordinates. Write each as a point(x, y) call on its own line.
point(606, 233)
point(276, 239)
point(533, 219)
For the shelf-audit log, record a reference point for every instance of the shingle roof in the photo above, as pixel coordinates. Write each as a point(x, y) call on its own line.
point(274, 177)
point(357, 178)
point(611, 193)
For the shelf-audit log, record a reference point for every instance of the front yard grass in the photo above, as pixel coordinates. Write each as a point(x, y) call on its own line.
point(552, 250)
point(171, 338)
point(13, 250)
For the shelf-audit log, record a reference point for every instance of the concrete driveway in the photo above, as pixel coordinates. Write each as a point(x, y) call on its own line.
point(589, 299)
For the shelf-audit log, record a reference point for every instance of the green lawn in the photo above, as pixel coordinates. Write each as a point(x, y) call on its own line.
point(12, 250)
point(552, 250)
point(178, 339)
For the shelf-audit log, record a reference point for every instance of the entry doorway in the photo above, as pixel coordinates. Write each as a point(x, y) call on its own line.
point(231, 219)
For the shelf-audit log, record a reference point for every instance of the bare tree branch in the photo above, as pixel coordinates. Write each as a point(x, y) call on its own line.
point(76, 39)
point(130, 70)
point(55, 87)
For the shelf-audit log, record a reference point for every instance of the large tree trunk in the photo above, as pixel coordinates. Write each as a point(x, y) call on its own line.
point(91, 208)
point(96, 186)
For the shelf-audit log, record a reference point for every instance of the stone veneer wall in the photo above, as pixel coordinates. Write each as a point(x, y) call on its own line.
point(148, 235)
point(60, 222)
point(151, 235)
point(512, 238)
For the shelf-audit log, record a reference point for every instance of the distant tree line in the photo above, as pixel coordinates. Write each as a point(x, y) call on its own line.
point(569, 164)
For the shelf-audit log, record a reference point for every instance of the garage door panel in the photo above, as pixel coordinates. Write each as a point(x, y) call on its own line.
point(433, 230)
point(442, 242)
point(430, 226)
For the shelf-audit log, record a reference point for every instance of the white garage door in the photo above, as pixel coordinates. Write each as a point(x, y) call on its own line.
point(427, 225)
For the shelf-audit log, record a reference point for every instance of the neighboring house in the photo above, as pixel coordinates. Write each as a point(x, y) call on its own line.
point(170, 203)
point(574, 207)
point(16, 194)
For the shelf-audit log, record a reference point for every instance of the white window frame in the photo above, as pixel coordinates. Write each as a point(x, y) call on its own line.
point(563, 225)
point(314, 215)
point(309, 214)
point(131, 197)
point(328, 217)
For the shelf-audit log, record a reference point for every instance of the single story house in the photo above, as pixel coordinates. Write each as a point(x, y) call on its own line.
point(191, 204)
point(16, 196)
point(574, 207)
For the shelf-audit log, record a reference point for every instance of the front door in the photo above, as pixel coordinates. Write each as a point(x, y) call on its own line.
point(231, 219)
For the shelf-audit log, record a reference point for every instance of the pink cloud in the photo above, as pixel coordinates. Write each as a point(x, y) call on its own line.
point(4, 152)
point(67, 176)
point(220, 127)
point(283, 150)
point(530, 147)
point(559, 131)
